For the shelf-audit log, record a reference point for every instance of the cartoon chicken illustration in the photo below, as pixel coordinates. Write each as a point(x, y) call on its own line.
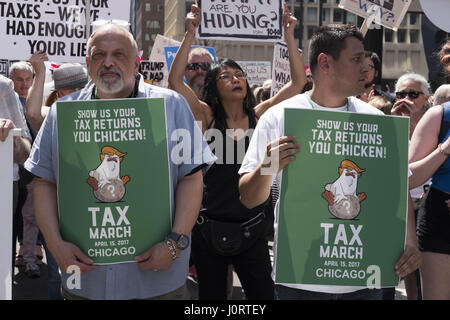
point(343, 202)
point(106, 181)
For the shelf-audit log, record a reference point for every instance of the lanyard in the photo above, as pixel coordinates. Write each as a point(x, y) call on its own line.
point(312, 103)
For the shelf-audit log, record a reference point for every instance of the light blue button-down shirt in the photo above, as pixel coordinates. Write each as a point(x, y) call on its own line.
point(126, 280)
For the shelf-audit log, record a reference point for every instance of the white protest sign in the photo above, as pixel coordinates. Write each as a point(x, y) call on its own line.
point(6, 213)
point(153, 71)
point(54, 26)
point(257, 71)
point(437, 11)
point(158, 56)
point(387, 13)
point(281, 70)
point(251, 20)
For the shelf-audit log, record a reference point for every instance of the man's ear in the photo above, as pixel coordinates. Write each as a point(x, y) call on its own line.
point(323, 63)
point(137, 62)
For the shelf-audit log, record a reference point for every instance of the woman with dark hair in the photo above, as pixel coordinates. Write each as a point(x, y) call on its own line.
point(226, 231)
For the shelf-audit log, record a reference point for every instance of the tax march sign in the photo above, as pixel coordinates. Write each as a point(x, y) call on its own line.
point(343, 201)
point(113, 184)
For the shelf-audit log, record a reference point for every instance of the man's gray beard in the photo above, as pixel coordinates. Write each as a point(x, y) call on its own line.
point(109, 87)
point(195, 87)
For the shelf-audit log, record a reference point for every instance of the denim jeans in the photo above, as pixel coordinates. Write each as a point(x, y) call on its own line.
point(54, 278)
point(30, 228)
point(286, 293)
point(181, 293)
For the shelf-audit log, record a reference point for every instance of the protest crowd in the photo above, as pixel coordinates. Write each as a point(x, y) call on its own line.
point(224, 196)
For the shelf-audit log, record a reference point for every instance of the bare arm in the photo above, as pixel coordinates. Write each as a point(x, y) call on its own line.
point(424, 157)
point(22, 146)
point(46, 209)
point(34, 111)
point(298, 75)
point(411, 258)
point(199, 109)
point(188, 199)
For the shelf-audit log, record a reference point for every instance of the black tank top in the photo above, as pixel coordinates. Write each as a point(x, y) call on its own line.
point(220, 184)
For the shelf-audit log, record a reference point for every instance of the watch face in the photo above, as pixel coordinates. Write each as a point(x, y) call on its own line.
point(183, 242)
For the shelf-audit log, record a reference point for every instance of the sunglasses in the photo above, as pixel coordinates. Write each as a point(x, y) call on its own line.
point(411, 94)
point(195, 65)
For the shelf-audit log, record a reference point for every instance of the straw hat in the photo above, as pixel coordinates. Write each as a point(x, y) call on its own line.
point(70, 76)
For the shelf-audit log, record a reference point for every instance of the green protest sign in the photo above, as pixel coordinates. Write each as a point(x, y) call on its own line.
point(113, 183)
point(343, 201)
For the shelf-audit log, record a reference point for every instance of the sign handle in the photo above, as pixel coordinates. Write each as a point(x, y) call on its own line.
point(365, 26)
point(88, 19)
point(16, 132)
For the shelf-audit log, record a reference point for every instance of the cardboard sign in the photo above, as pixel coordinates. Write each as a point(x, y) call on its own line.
point(6, 214)
point(113, 181)
point(171, 52)
point(158, 56)
point(57, 27)
point(4, 67)
point(281, 70)
point(257, 71)
point(343, 201)
point(252, 20)
point(153, 71)
point(387, 13)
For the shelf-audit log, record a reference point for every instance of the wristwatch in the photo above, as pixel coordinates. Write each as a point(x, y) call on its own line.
point(181, 240)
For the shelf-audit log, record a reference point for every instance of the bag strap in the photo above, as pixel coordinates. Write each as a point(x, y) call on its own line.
point(445, 122)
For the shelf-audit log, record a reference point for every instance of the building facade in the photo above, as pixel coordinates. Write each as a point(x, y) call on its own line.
point(149, 23)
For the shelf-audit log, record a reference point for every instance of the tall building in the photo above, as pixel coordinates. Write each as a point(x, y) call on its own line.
point(402, 51)
point(149, 23)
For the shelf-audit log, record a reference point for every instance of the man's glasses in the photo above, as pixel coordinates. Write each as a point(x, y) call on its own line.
point(195, 65)
point(228, 76)
point(411, 94)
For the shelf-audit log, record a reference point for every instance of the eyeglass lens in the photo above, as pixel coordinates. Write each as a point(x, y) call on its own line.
point(228, 76)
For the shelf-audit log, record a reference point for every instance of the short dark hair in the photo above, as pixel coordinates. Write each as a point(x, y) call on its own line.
point(330, 39)
point(375, 59)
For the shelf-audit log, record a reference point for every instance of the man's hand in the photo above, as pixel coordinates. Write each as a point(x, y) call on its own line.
point(5, 126)
point(410, 260)
point(67, 254)
point(402, 107)
point(37, 61)
point(156, 258)
point(280, 153)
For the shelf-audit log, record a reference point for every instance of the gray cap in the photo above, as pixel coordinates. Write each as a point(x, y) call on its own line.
point(70, 76)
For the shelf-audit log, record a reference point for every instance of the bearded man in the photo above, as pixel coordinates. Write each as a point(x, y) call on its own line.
point(160, 272)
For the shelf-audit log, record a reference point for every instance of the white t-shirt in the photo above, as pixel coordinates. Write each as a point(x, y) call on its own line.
point(271, 127)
